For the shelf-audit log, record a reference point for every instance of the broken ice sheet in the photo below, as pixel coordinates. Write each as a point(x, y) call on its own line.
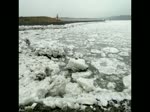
point(98, 49)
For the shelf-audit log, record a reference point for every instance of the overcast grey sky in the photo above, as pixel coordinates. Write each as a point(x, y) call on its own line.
point(74, 8)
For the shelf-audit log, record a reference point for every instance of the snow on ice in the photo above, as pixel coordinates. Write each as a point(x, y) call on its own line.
point(77, 65)
point(109, 66)
point(59, 70)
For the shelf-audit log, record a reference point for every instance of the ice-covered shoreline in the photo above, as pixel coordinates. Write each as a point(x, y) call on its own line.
point(59, 68)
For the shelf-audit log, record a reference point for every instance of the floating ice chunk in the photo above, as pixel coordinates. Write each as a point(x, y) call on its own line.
point(91, 106)
point(83, 107)
point(20, 50)
point(110, 50)
point(103, 102)
point(95, 51)
point(88, 101)
point(62, 64)
point(35, 96)
point(104, 97)
point(30, 90)
point(77, 75)
point(52, 102)
point(115, 56)
point(78, 55)
point(37, 67)
point(86, 84)
point(70, 53)
point(49, 101)
point(41, 93)
point(48, 50)
point(23, 47)
point(73, 88)
point(26, 100)
point(70, 47)
point(111, 85)
point(91, 39)
point(76, 106)
point(57, 52)
point(86, 98)
point(127, 81)
point(59, 103)
point(77, 65)
point(33, 105)
point(109, 66)
point(98, 89)
point(57, 88)
point(123, 53)
point(103, 55)
point(70, 104)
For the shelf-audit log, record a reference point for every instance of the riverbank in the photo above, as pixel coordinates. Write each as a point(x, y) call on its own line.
point(49, 21)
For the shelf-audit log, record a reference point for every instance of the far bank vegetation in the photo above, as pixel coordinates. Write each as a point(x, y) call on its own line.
point(37, 20)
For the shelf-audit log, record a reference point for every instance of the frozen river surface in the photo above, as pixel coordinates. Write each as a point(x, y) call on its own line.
point(75, 64)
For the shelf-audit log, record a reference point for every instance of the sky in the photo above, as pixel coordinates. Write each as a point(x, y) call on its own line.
point(74, 8)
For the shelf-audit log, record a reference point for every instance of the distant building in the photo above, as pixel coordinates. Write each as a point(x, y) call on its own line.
point(57, 17)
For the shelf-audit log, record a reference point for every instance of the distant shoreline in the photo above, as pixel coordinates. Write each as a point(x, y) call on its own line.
point(49, 21)
point(60, 23)
point(43, 20)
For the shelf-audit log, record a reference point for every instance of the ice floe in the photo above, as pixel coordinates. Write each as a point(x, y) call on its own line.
point(73, 89)
point(123, 53)
point(111, 85)
point(110, 50)
point(77, 75)
point(86, 84)
point(95, 51)
point(127, 81)
point(109, 66)
point(77, 65)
